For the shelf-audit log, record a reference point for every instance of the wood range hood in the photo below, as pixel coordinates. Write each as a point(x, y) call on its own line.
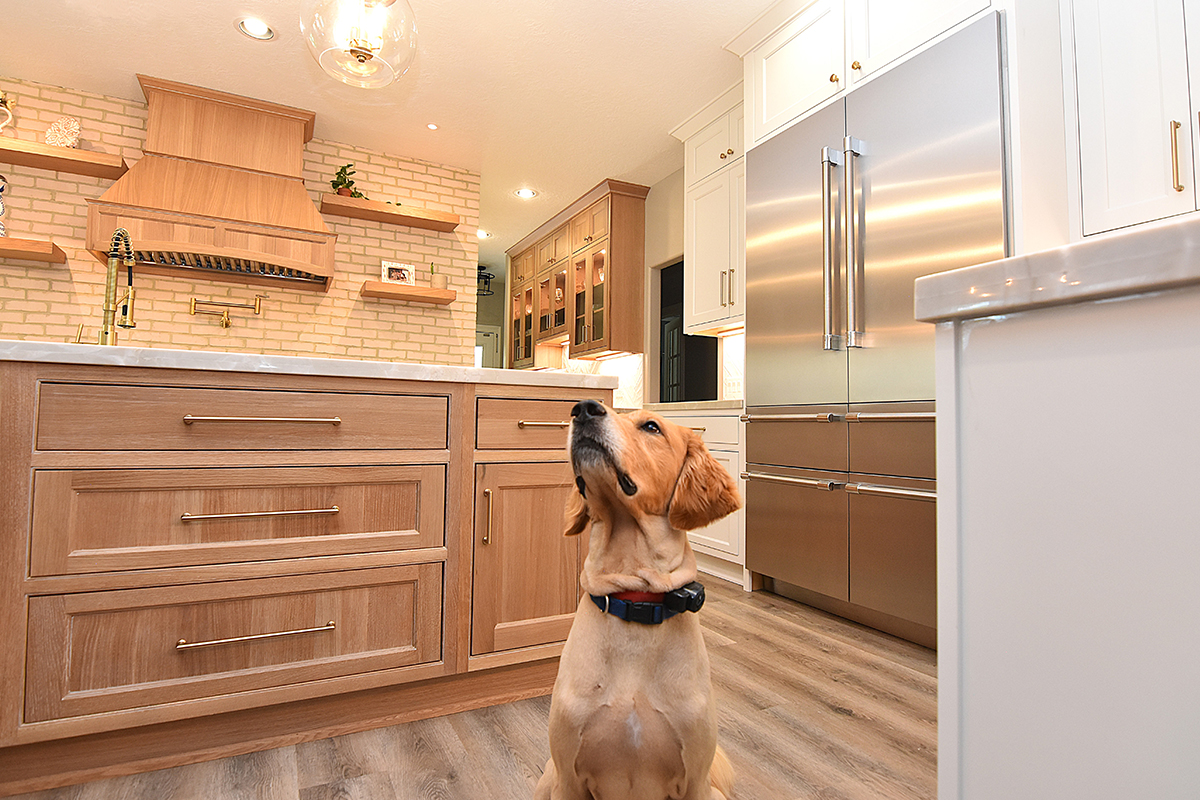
point(219, 192)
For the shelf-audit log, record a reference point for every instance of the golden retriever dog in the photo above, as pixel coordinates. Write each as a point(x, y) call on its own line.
point(632, 716)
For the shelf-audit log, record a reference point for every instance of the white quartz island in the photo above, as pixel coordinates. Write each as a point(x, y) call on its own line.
point(1068, 537)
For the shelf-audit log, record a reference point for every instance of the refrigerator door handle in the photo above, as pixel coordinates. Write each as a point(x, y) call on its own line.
point(852, 148)
point(878, 490)
point(828, 486)
point(891, 416)
point(831, 158)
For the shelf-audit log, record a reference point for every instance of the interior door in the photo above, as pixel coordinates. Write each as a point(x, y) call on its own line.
point(928, 197)
point(786, 361)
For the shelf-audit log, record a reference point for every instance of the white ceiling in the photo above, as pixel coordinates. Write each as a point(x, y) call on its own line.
point(552, 94)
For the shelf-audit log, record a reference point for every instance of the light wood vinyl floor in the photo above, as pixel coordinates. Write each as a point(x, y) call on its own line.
point(811, 706)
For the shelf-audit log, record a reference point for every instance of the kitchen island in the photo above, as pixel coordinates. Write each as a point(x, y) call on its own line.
point(212, 553)
point(1069, 630)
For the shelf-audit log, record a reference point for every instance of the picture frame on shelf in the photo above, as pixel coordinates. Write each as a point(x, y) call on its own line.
point(395, 272)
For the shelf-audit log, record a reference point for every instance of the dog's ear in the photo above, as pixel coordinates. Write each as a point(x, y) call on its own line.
point(576, 515)
point(705, 491)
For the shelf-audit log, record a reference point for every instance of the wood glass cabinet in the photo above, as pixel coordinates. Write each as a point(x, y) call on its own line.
point(552, 304)
point(589, 271)
point(521, 326)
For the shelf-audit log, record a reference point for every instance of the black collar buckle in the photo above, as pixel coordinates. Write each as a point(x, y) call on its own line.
point(685, 598)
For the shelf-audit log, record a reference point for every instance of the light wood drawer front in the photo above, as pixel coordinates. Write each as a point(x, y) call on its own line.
point(714, 430)
point(504, 424)
point(100, 652)
point(113, 417)
point(105, 520)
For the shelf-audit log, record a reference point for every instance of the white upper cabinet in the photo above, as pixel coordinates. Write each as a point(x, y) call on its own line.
point(795, 69)
point(717, 145)
point(880, 31)
point(801, 53)
point(1135, 115)
point(714, 252)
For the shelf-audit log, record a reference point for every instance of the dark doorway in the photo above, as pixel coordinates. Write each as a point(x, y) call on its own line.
point(687, 364)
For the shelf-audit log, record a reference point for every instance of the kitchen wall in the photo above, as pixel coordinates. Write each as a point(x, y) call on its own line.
point(48, 302)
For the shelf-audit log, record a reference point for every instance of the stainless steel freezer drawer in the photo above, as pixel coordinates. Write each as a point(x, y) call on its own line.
point(892, 439)
point(811, 437)
point(797, 523)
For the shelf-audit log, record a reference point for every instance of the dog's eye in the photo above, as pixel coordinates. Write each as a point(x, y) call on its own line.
point(650, 426)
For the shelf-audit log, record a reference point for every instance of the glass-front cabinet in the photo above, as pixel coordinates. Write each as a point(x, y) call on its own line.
point(552, 299)
point(591, 297)
point(521, 326)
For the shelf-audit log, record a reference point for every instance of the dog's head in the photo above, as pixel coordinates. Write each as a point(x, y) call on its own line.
point(646, 466)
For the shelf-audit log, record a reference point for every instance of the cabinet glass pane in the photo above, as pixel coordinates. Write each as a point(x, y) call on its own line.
point(599, 270)
point(560, 298)
point(545, 304)
point(515, 317)
point(581, 282)
point(527, 329)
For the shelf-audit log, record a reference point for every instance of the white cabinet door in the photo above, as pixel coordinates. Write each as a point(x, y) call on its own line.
point(708, 212)
point(795, 69)
point(718, 144)
point(1135, 124)
point(880, 31)
point(723, 535)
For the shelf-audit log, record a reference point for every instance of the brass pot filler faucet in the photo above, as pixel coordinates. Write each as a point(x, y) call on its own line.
point(108, 329)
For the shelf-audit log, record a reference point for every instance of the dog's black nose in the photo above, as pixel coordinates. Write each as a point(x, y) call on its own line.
point(586, 409)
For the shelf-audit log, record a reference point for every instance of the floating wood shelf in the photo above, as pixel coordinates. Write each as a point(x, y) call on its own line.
point(412, 216)
point(31, 250)
point(409, 294)
point(61, 159)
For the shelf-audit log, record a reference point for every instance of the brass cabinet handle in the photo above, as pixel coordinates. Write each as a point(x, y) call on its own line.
point(184, 644)
point(1175, 126)
point(487, 531)
point(891, 416)
point(731, 271)
point(856, 65)
point(723, 155)
point(834, 78)
point(186, 517)
point(890, 491)
point(188, 419)
point(723, 273)
point(524, 423)
point(792, 417)
point(701, 429)
point(730, 151)
point(814, 483)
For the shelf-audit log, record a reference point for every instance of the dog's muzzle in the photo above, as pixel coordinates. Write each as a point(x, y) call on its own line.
point(588, 447)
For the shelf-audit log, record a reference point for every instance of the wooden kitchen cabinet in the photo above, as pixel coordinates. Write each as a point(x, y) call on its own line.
point(553, 303)
point(554, 248)
point(604, 282)
point(714, 252)
point(589, 226)
point(521, 325)
point(526, 574)
point(523, 265)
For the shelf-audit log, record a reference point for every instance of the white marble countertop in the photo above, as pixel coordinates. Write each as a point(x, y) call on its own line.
point(697, 405)
point(1147, 258)
point(62, 353)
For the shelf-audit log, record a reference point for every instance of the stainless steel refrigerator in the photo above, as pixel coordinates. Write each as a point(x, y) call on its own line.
point(901, 178)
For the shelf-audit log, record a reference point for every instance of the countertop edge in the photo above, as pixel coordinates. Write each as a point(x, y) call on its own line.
point(163, 358)
point(696, 406)
point(1147, 258)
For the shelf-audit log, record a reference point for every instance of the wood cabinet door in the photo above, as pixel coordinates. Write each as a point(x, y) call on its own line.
point(523, 264)
point(552, 299)
point(554, 248)
point(589, 226)
point(796, 68)
point(521, 330)
point(1131, 78)
point(526, 575)
point(589, 282)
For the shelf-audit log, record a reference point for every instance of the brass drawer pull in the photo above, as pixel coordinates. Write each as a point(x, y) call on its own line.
point(701, 429)
point(186, 517)
point(890, 416)
point(522, 424)
point(828, 486)
point(188, 419)
point(792, 417)
point(184, 644)
point(890, 491)
point(487, 531)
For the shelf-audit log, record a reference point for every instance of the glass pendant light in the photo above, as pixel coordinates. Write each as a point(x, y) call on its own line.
point(365, 43)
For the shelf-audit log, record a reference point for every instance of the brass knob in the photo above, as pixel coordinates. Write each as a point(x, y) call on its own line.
point(722, 155)
point(856, 65)
point(730, 152)
point(833, 78)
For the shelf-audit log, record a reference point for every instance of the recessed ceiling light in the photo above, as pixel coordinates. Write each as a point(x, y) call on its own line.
point(525, 194)
point(432, 126)
point(256, 29)
point(482, 234)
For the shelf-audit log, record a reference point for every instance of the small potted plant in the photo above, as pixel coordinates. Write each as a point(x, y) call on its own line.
point(343, 184)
